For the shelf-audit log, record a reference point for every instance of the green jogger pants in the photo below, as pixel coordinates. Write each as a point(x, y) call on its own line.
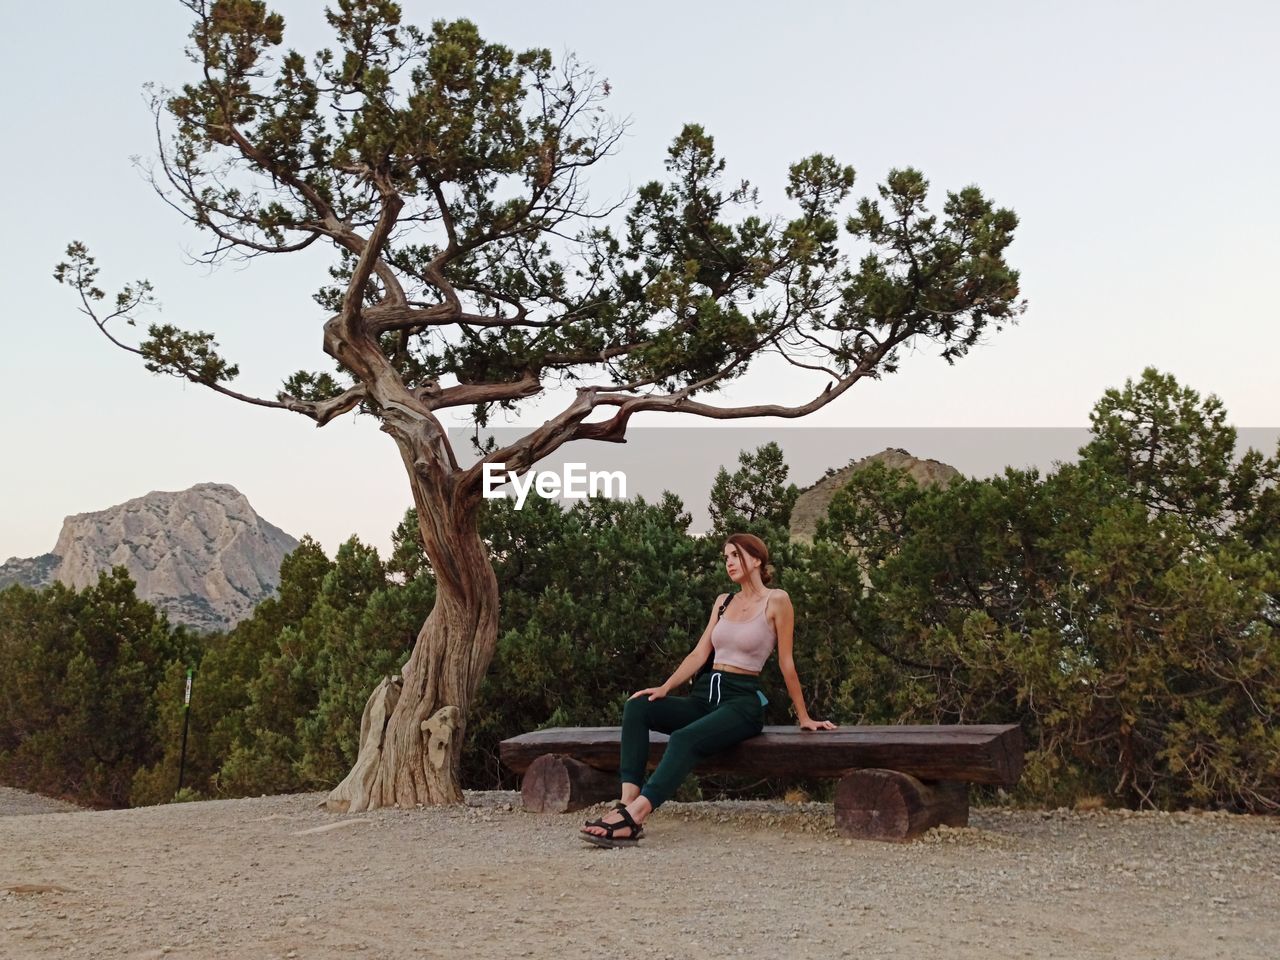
point(723, 709)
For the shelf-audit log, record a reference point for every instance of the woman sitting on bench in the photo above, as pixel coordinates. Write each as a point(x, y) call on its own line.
point(726, 705)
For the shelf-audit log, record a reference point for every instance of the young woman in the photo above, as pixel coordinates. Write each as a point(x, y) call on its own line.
point(726, 705)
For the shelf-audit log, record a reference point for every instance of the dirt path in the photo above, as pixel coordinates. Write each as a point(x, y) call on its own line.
point(277, 877)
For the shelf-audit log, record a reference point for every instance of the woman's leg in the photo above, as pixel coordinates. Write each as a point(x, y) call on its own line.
point(641, 715)
point(729, 723)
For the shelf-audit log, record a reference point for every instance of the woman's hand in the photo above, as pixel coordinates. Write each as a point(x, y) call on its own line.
point(655, 693)
point(817, 725)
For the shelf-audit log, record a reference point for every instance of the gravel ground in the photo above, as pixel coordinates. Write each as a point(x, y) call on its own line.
point(276, 877)
point(18, 803)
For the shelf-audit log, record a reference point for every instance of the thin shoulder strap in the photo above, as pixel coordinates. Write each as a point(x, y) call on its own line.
point(711, 657)
point(727, 600)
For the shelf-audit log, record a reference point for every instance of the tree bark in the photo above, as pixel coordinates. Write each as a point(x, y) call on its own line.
point(891, 805)
point(555, 783)
point(412, 732)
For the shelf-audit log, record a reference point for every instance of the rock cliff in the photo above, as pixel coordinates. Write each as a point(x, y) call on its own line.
point(812, 504)
point(202, 555)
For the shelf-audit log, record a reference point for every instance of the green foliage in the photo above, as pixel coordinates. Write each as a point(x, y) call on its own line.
point(1169, 448)
point(946, 282)
point(312, 386)
point(317, 673)
point(1098, 608)
point(753, 499)
point(409, 558)
point(183, 353)
point(229, 664)
point(1122, 610)
point(78, 673)
point(467, 160)
point(597, 600)
point(357, 649)
point(157, 782)
point(180, 353)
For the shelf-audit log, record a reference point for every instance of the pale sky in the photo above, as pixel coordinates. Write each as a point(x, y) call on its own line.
point(1137, 143)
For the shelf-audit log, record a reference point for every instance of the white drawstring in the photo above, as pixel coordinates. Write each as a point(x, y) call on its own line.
point(715, 677)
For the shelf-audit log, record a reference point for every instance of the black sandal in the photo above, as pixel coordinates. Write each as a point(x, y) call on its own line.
point(609, 840)
point(617, 805)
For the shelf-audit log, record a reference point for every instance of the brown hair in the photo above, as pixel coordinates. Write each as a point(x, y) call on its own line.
point(754, 546)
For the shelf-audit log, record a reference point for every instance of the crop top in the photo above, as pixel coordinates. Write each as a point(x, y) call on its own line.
point(746, 644)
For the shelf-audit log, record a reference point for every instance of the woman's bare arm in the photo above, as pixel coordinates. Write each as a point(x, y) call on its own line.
point(696, 658)
point(784, 622)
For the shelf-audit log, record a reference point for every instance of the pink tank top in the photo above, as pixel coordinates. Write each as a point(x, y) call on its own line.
point(746, 645)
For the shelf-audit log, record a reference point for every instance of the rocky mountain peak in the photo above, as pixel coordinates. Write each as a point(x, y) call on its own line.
point(202, 555)
point(813, 503)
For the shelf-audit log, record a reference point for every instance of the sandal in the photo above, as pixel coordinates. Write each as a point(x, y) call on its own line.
point(599, 821)
point(615, 805)
point(609, 840)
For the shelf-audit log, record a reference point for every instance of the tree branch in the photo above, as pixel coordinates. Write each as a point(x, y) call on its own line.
point(370, 259)
point(615, 428)
point(334, 227)
point(468, 394)
point(322, 411)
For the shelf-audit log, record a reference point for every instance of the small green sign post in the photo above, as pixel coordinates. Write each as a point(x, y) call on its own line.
point(186, 721)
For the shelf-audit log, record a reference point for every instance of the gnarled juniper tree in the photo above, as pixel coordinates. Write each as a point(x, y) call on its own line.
point(447, 174)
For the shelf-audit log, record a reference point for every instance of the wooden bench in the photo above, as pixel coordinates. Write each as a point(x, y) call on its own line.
point(895, 782)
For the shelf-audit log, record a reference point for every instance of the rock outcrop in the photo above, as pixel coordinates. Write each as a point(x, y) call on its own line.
point(29, 571)
point(813, 502)
point(202, 555)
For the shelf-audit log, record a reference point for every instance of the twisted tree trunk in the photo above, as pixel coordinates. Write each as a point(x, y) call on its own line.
point(413, 727)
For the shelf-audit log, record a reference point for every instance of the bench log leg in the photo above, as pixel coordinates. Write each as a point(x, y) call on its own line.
point(556, 783)
point(888, 805)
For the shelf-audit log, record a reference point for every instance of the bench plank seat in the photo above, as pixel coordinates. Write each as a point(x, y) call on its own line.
point(990, 754)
